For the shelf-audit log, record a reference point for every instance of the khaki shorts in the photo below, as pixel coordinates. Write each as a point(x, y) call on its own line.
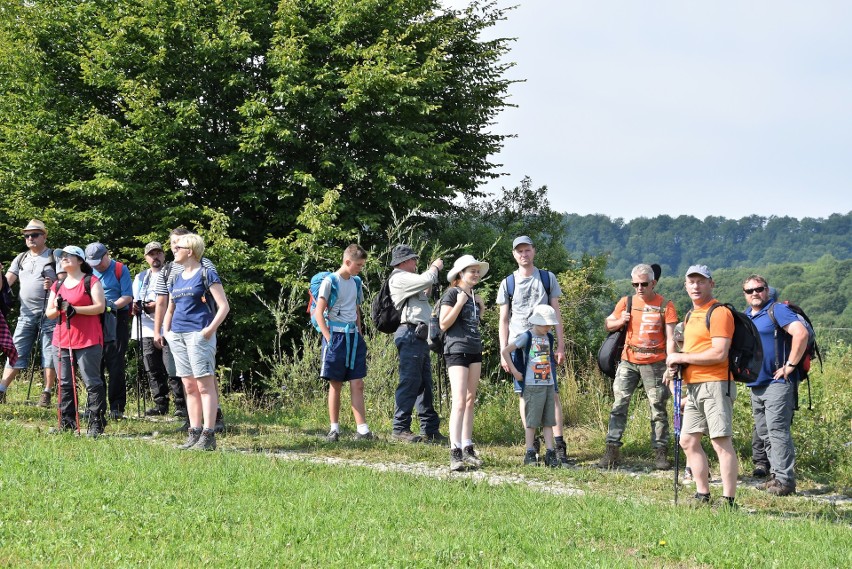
point(709, 409)
point(540, 406)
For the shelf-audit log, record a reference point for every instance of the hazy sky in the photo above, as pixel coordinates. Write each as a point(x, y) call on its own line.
point(638, 108)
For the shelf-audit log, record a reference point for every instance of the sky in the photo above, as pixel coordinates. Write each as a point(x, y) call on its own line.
point(640, 108)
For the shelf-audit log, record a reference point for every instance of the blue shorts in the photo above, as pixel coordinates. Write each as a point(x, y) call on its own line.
point(344, 360)
point(24, 338)
point(519, 385)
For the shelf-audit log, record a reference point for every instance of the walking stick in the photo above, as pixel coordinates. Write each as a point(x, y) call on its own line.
point(139, 391)
point(68, 315)
point(37, 342)
point(678, 392)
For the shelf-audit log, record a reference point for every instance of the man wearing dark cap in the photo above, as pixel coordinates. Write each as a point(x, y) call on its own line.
point(410, 292)
point(709, 395)
point(518, 295)
point(144, 302)
point(118, 289)
point(34, 271)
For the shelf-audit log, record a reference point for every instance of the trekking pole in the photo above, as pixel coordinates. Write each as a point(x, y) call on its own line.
point(73, 372)
point(678, 392)
point(139, 392)
point(37, 341)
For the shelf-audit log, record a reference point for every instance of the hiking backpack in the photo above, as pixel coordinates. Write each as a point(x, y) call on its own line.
point(383, 311)
point(543, 275)
point(812, 350)
point(745, 357)
point(610, 351)
point(313, 293)
point(435, 340)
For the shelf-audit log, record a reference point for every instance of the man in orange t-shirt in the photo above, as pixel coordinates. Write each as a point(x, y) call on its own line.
point(709, 403)
point(650, 336)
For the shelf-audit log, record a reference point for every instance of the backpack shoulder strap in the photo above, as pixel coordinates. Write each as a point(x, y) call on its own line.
point(87, 284)
point(119, 269)
point(544, 275)
point(525, 353)
point(359, 295)
point(710, 312)
point(19, 259)
point(510, 287)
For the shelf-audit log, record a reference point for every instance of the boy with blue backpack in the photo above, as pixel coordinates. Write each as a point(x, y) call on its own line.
point(344, 353)
point(534, 368)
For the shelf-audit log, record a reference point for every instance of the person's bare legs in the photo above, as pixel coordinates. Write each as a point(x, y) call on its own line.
point(334, 389)
point(728, 465)
point(697, 460)
point(356, 387)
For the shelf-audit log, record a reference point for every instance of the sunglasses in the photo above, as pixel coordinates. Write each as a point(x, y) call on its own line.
point(637, 285)
point(67, 255)
point(756, 289)
point(32, 235)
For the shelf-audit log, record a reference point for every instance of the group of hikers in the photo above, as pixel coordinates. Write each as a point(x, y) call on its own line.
point(80, 303)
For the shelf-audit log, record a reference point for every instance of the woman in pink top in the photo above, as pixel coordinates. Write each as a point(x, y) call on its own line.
point(78, 301)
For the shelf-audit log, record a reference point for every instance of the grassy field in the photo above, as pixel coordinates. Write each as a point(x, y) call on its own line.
point(276, 494)
point(132, 499)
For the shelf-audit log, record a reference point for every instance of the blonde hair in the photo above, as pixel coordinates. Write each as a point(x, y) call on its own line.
point(194, 243)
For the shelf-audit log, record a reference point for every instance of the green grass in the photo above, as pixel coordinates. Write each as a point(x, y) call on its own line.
point(128, 502)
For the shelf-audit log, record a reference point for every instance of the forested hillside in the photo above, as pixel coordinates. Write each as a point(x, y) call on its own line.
point(677, 242)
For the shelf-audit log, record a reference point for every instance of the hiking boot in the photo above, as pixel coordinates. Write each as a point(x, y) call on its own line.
point(368, 436)
point(207, 440)
point(2, 396)
point(435, 438)
point(456, 460)
point(530, 458)
point(181, 412)
point(562, 454)
point(405, 437)
point(550, 459)
point(471, 457)
point(661, 460)
point(115, 415)
point(724, 503)
point(65, 427)
point(332, 436)
point(44, 399)
point(611, 457)
point(156, 411)
point(95, 430)
point(778, 488)
point(760, 471)
point(219, 427)
point(768, 483)
point(191, 438)
point(698, 501)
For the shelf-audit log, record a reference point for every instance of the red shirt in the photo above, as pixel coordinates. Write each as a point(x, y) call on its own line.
point(86, 330)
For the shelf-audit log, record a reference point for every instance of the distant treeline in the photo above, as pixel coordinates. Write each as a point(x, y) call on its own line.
point(718, 242)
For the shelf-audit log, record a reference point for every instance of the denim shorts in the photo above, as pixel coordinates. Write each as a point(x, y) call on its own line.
point(25, 336)
point(194, 356)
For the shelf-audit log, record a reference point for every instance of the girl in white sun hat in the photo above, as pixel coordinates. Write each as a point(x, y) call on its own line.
point(461, 312)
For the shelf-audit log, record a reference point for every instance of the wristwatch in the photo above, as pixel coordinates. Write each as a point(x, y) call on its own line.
point(790, 364)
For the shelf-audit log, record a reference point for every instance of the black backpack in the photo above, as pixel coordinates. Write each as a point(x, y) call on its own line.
point(383, 311)
point(745, 358)
point(610, 352)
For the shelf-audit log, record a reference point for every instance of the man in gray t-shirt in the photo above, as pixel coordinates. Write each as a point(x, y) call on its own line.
point(516, 307)
point(35, 271)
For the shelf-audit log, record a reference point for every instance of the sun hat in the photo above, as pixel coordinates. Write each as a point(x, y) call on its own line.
point(699, 270)
point(544, 315)
point(153, 246)
point(95, 252)
point(35, 225)
point(74, 250)
point(402, 253)
point(464, 262)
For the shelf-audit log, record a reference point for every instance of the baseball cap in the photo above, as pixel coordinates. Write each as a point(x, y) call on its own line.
point(95, 252)
point(699, 270)
point(522, 240)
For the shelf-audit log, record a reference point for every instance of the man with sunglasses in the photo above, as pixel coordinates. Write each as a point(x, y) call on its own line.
point(773, 392)
point(35, 270)
point(650, 336)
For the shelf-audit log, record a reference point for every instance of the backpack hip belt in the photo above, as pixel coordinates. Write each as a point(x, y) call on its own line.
point(641, 350)
point(349, 330)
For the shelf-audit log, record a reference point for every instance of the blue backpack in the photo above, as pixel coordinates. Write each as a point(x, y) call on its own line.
point(313, 293)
